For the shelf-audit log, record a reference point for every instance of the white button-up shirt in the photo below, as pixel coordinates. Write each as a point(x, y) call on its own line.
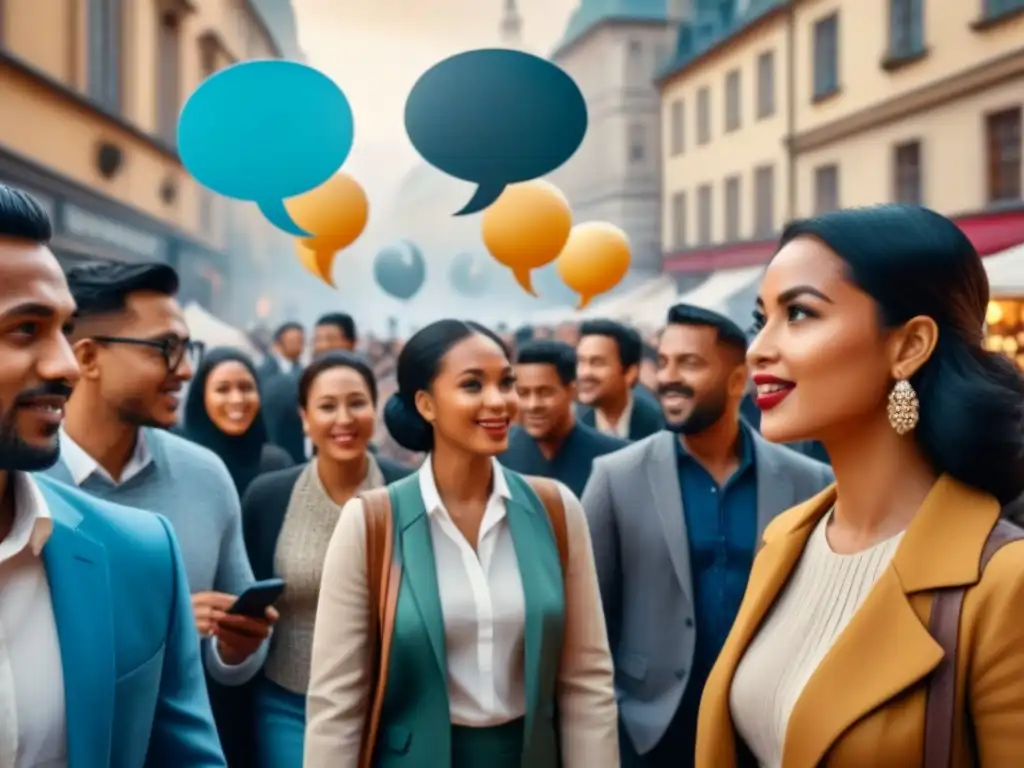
point(484, 608)
point(33, 725)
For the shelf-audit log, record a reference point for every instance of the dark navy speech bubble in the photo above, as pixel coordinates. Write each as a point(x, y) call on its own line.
point(400, 270)
point(495, 117)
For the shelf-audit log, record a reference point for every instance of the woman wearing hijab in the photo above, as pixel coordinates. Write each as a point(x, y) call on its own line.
point(222, 413)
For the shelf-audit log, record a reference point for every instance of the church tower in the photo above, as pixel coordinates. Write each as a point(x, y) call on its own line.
point(511, 25)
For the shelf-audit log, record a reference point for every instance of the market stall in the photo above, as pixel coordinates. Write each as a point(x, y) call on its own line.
point(1004, 321)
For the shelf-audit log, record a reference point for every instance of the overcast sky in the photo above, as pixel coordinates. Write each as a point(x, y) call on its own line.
point(376, 49)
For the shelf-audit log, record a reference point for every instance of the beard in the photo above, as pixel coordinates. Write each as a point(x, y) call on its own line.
point(18, 455)
point(133, 412)
point(704, 414)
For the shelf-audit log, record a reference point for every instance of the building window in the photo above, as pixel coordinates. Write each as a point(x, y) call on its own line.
point(826, 56)
point(679, 221)
point(766, 84)
point(996, 8)
point(703, 115)
point(732, 209)
point(764, 201)
point(660, 57)
point(677, 129)
point(906, 28)
point(907, 173)
point(1003, 131)
point(704, 215)
point(637, 143)
point(168, 76)
point(104, 83)
point(826, 188)
point(732, 100)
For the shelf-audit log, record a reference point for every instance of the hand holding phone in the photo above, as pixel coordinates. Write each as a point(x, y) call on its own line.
point(257, 598)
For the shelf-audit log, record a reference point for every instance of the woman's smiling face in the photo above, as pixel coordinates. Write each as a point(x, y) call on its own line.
point(232, 398)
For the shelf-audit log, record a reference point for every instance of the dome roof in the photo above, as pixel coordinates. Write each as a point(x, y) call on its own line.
point(591, 13)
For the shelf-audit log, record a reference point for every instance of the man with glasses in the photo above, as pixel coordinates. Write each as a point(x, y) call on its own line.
point(135, 356)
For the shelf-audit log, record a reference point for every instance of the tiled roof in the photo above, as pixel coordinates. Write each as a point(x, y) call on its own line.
point(591, 13)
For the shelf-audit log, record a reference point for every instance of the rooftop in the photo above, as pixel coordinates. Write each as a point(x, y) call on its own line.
point(278, 16)
point(593, 13)
point(712, 23)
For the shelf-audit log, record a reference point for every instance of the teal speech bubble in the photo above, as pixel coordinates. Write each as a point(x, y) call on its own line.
point(265, 131)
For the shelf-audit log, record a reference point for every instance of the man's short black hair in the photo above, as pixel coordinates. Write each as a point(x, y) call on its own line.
point(548, 352)
point(650, 354)
point(342, 321)
point(283, 328)
point(22, 217)
point(104, 288)
point(627, 339)
point(729, 333)
point(523, 334)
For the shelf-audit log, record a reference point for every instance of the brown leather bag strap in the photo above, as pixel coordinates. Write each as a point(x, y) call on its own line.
point(944, 626)
point(547, 491)
point(383, 575)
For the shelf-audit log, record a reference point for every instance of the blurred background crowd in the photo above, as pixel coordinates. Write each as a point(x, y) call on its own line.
point(712, 122)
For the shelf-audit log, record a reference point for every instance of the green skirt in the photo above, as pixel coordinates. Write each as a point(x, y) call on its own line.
point(500, 746)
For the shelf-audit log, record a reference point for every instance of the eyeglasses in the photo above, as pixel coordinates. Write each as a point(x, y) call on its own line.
point(173, 350)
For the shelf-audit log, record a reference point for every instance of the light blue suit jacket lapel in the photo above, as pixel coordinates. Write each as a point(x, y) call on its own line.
point(76, 568)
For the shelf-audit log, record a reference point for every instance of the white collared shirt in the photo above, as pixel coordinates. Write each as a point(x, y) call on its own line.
point(82, 466)
point(621, 429)
point(484, 608)
point(284, 364)
point(33, 725)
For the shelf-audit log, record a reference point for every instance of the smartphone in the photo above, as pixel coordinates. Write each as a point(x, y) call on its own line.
point(257, 598)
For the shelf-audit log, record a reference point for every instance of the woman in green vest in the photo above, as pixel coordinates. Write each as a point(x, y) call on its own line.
point(499, 656)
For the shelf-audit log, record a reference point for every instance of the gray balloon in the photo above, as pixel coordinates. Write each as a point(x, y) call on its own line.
point(470, 274)
point(400, 270)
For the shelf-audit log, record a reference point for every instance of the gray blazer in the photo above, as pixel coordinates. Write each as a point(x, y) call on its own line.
point(635, 510)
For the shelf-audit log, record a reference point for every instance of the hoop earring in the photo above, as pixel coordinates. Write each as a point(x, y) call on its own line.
point(904, 407)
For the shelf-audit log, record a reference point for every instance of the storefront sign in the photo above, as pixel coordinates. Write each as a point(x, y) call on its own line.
point(91, 226)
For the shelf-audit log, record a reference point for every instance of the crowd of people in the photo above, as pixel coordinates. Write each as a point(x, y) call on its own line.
point(781, 547)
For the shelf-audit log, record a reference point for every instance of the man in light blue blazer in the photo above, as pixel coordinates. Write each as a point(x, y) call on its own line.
point(99, 664)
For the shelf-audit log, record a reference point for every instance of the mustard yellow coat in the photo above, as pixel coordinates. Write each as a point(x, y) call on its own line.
point(864, 706)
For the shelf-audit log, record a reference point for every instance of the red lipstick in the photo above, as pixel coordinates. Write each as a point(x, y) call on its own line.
point(771, 390)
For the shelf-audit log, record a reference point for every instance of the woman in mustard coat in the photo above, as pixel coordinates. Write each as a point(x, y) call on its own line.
point(869, 339)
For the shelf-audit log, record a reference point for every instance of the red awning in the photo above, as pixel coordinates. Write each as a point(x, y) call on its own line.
point(990, 233)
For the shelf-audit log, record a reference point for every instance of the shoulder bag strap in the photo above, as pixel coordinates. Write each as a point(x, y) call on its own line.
point(944, 626)
point(547, 491)
point(383, 574)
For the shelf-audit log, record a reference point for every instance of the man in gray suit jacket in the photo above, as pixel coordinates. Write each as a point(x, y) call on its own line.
point(675, 520)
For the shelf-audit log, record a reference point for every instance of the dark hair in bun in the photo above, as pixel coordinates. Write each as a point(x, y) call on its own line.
point(418, 365)
point(913, 261)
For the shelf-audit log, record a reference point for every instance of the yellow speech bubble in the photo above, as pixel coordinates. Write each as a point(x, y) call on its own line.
point(317, 263)
point(336, 213)
point(526, 228)
point(595, 259)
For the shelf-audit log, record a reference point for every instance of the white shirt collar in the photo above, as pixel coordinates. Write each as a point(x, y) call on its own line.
point(432, 499)
point(286, 365)
point(622, 428)
point(82, 466)
point(33, 523)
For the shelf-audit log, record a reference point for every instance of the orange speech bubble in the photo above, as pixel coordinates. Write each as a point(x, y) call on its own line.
point(594, 260)
point(336, 213)
point(317, 262)
point(526, 228)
